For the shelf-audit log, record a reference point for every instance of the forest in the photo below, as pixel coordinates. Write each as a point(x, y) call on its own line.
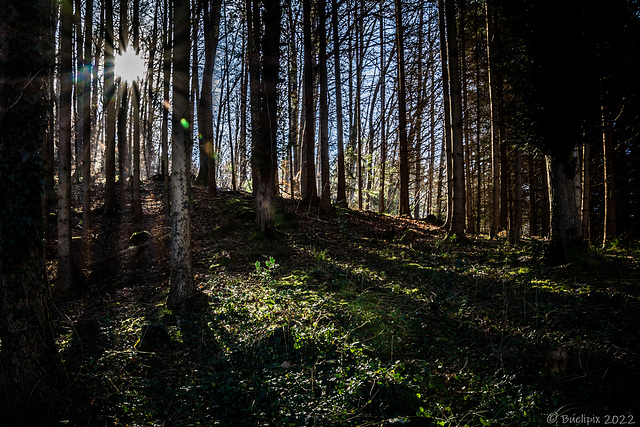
point(349, 213)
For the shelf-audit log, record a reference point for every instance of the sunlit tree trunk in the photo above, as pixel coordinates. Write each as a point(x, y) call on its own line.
point(182, 285)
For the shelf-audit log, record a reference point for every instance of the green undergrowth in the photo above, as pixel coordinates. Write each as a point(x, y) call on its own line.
point(343, 322)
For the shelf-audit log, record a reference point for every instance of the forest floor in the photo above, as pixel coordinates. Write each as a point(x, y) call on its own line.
point(355, 318)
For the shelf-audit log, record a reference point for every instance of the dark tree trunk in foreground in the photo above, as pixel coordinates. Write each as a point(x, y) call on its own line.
point(182, 286)
point(28, 357)
point(86, 122)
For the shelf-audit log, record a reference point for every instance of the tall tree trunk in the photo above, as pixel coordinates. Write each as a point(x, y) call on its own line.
point(565, 232)
point(211, 27)
point(609, 180)
point(29, 364)
point(311, 196)
point(533, 195)
point(243, 118)
point(494, 118)
point(325, 200)
point(65, 262)
point(515, 230)
point(264, 97)
point(586, 190)
point(110, 107)
point(167, 53)
point(86, 122)
point(383, 125)
point(342, 192)
point(182, 287)
point(123, 142)
point(137, 204)
point(446, 94)
point(546, 207)
point(151, 88)
point(402, 114)
point(458, 213)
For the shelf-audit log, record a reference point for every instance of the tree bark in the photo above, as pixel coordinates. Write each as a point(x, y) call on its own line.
point(586, 190)
point(446, 94)
point(137, 204)
point(402, 115)
point(325, 199)
point(65, 262)
point(494, 117)
point(110, 107)
point(609, 180)
point(166, 71)
point(457, 227)
point(342, 192)
point(565, 232)
point(182, 286)
point(311, 196)
point(86, 122)
point(29, 362)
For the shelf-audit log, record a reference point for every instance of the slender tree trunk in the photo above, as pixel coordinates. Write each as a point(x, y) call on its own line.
point(29, 363)
point(515, 231)
point(342, 192)
point(86, 122)
point(586, 190)
point(609, 180)
point(110, 107)
point(533, 195)
point(447, 112)
point(243, 119)
point(457, 227)
point(311, 196)
point(167, 53)
point(123, 142)
point(293, 100)
point(494, 118)
point(182, 287)
point(211, 26)
point(325, 201)
point(546, 207)
point(137, 204)
point(383, 125)
point(65, 262)
point(402, 115)
point(151, 89)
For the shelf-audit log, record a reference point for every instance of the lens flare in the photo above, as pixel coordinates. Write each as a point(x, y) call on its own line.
point(129, 66)
point(184, 123)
